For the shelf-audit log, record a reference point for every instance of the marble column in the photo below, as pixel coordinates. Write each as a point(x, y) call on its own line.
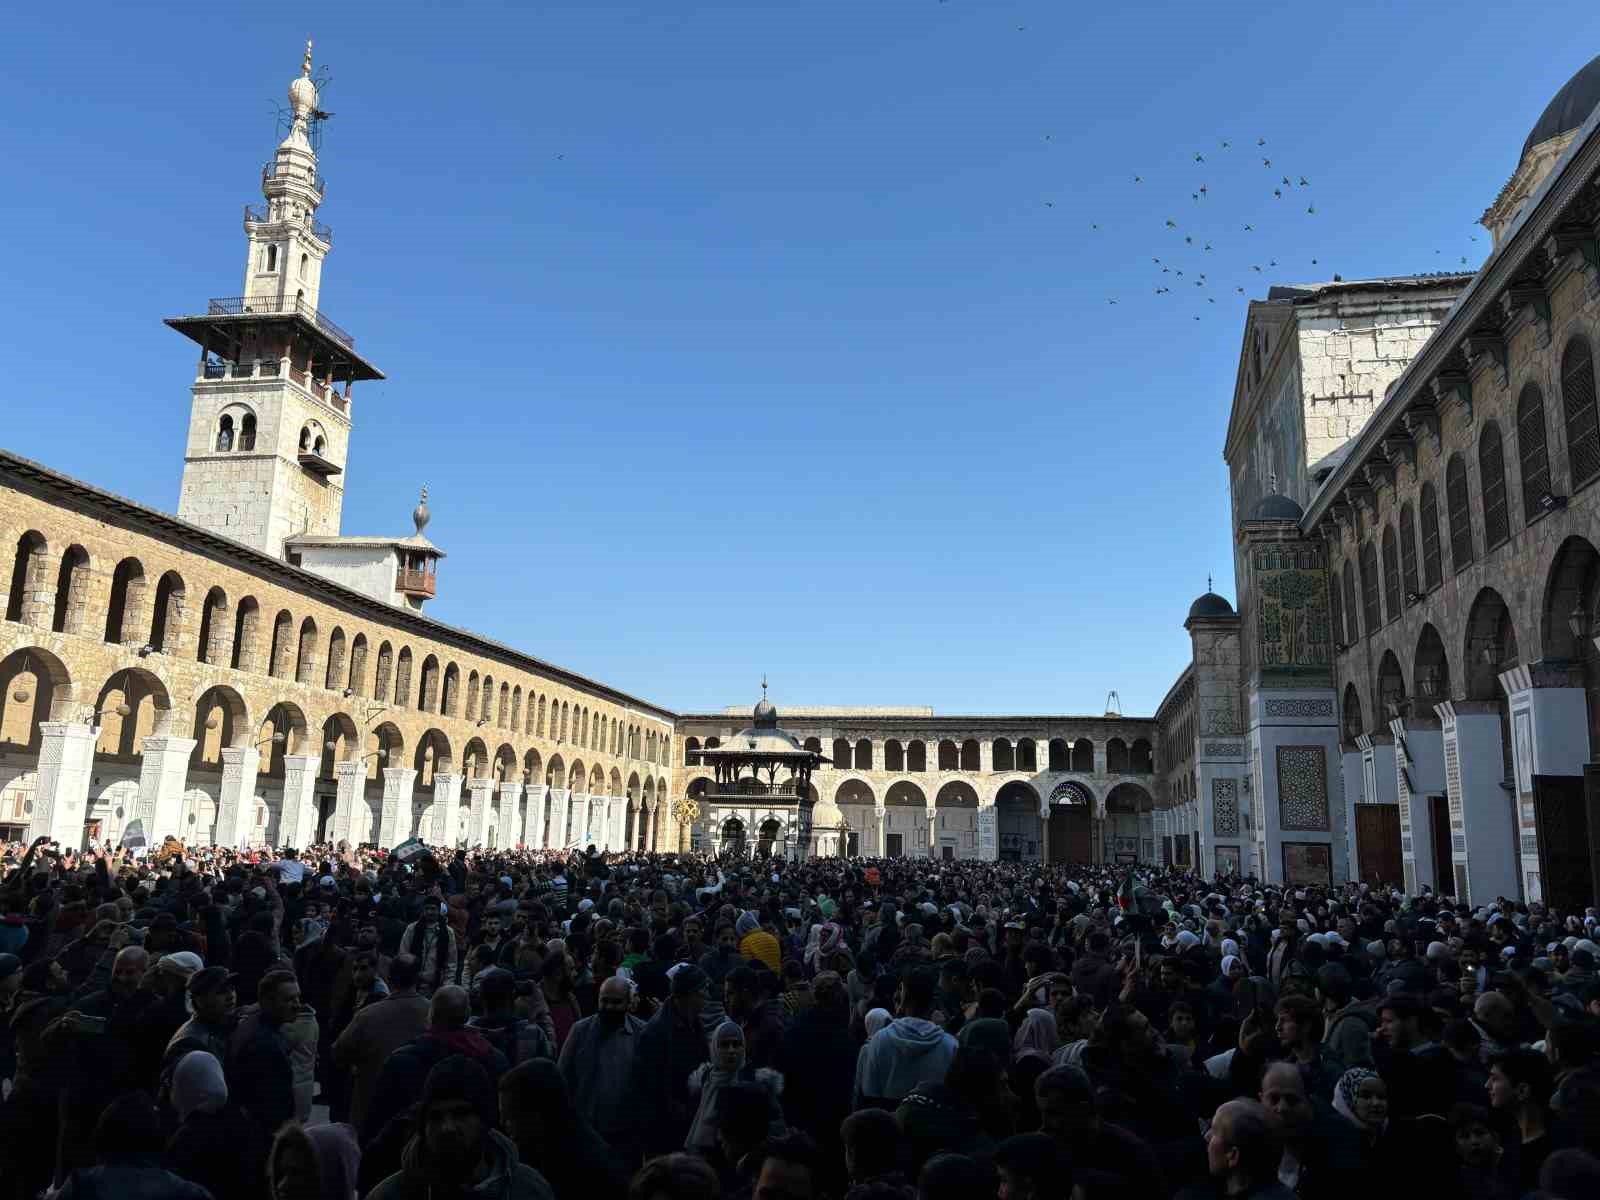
point(163, 770)
point(619, 819)
point(580, 833)
point(1485, 843)
point(394, 823)
point(350, 821)
point(988, 833)
point(446, 813)
point(1044, 831)
point(237, 797)
point(1549, 718)
point(933, 832)
point(1420, 755)
point(533, 830)
point(297, 815)
point(61, 792)
point(558, 819)
point(510, 797)
point(480, 792)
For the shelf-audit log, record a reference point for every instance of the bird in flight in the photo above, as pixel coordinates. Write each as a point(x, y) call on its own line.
point(1171, 224)
point(1049, 203)
point(1138, 178)
point(1272, 262)
point(1267, 163)
point(1278, 192)
point(1094, 226)
point(1286, 182)
point(1188, 241)
point(1109, 300)
point(1157, 261)
point(1249, 228)
point(1225, 143)
point(1202, 189)
point(1304, 182)
point(1198, 157)
point(1253, 267)
point(1312, 209)
point(1240, 290)
point(1261, 141)
point(1208, 245)
point(1194, 195)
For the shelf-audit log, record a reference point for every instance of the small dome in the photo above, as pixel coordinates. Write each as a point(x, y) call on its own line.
point(1276, 507)
point(421, 515)
point(1210, 605)
point(1569, 109)
point(825, 816)
point(765, 714)
point(302, 95)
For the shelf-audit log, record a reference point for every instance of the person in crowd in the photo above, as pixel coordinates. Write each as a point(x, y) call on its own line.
point(1520, 1086)
point(315, 1162)
point(552, 1136)
point(432, 942)
point(675, 1177)
point(1069, 1112)
point(910, 1050)
point(596, 1065)
point(727, 1067)
point(1242, 1155)
point(817, 1059)
point(260, 1062)
point(127, 1160)
point(515, 1036)
point(404, 1072)
point(456, 1148)
point(376, 1032)
point(670, 1047)
point(216, 1144)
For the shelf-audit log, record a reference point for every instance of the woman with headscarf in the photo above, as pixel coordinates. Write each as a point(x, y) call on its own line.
point(727, 1068)
point(1032, 1053)
point(215, 1145)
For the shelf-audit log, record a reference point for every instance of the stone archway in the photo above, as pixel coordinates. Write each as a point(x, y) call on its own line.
point(1129, 824)
point(1020, 832)
point(733, 837)
point(1071, 824)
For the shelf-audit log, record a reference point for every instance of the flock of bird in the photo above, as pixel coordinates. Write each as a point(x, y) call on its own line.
point(1219, 185)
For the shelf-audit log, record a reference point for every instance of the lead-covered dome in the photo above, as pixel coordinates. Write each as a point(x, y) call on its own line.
point(1277, 507)
point(1569, 108)
point(1210, 605)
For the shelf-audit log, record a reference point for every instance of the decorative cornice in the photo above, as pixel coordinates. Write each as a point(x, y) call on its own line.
point(1480, 300)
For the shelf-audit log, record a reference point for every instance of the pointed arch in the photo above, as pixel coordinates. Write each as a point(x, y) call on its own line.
point(1391, 574)
point(246, 635)
point(281, 661)
point(472, 696)
point(1578, 404)
point(211, 646)
point(1460, 513)
point(305, 663)
point(358, 665)
point(125, 610)
point(428, 695)
point(1492, 486)
point(334, 676)
point(1533, 450)
point(166, 622)
point(27, 579)
point(402, 678)
point(451, 699)
point(72, 591)
point(1428, 519)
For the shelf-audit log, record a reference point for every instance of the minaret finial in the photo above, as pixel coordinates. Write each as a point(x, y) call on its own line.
point(305, 67)
point(1208, 575)
point(420, 516)
point(763, 685)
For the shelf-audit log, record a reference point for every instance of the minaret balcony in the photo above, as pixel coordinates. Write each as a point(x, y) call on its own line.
point(261, 214)
point(286, 171)
point(272, 305)
point(311, 461)
point(416, 583)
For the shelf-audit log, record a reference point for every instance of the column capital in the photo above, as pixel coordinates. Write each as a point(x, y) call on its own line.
point(351, 766)
point(1546, 673)
point(161, 743)
point(399, 774)
point(240, 754)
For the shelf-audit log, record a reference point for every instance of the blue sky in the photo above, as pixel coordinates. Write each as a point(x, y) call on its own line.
point(753, 337)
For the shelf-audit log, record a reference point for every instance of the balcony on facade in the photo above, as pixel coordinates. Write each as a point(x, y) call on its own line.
point(261, 214)
point(270, 171)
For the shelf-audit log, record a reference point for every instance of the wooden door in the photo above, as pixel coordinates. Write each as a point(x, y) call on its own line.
point(1069, 834)
point(1566, 868)
point(1378, 843)
point(1444, 877)
point(897, 843)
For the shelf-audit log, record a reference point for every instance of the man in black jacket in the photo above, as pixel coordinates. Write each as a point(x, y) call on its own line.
point(260, 1073)
point(817, 1059)
point(672, 1045)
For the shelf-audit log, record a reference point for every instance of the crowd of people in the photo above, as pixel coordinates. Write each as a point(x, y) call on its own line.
point(345, 1022)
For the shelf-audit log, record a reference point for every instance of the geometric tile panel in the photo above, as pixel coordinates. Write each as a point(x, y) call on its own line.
point(1303, 788)
point(1225, 808)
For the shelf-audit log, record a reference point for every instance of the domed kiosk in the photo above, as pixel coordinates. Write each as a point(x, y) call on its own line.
point(746, 792)
point(1210, 605)
point(1549, 138)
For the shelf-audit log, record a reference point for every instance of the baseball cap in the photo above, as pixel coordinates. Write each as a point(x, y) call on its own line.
point(184, 964)
point(210, 980)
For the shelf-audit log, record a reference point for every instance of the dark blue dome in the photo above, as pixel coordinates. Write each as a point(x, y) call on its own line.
point(1570, 108)
point(1210, 605)
point(1276, 507)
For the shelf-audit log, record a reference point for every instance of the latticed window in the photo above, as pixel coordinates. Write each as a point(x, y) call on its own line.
point(1370, 611)
point(1455, 498)
point(1408, 550)
point(1336, 612)
point(1351, 624)
point(1428, 506)
point(1492, 481)
point(1533, 450)
point(1577, 396)
point(1391, 575)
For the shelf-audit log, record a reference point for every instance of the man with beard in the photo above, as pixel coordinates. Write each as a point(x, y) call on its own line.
point(456, 1150)
point(432, 943)
point(558, 978)
point(99, 1036)
point(27, 1153)
point(671, 1045)
point(597, 1062)
point(261, 1070)
point(214, 1002)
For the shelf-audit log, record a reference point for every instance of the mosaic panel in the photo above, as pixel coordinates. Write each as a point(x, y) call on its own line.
point(1302, 788)
point(1225, 807)
point(1294, 706)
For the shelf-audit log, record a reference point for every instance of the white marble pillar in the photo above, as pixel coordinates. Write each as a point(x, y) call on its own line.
point(1419, 755)
point(1549, 736)
point(297, 815)
point(237, 797)
point(349, 823)
point(933, 831)
point(558, 819)
point(1485, 846)
point(580, 820)
point(394, 823)
point(480, 793)
point(988, 833)
point(446, 810)
point(510, 798)
point(163, 771)
point(61, 793)
point(533, 829)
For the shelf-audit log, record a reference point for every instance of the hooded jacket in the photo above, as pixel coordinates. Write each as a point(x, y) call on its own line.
point(508, 1178)
point(337, 1153)
point(906, 1052)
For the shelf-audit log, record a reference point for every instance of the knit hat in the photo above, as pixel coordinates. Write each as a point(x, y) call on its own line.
point(687, 979)
point(748, 923)
point(459, 1078)
point(182, 965)
point(197, 1083)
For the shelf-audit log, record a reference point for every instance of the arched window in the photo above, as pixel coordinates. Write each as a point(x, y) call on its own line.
point(1533, 450)
point(1408, 551)
point(305, 438)
point(841, 754)
point(272, 258)
point(1577, 398)
point(1492, 485)
point(305, 262)
point(1391, 575)
point(1456, 503)
point(1371, 614)
point(247, 432)
point(27, 569)
point(246, 621)
point(1428, 506)
point(225, 434)
point(1352, 625)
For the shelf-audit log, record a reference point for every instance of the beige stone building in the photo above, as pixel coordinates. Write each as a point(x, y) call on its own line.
point(244, 673)
point(1413, 656)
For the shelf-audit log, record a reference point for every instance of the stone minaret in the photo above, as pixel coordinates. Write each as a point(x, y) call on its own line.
point(269, 426)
